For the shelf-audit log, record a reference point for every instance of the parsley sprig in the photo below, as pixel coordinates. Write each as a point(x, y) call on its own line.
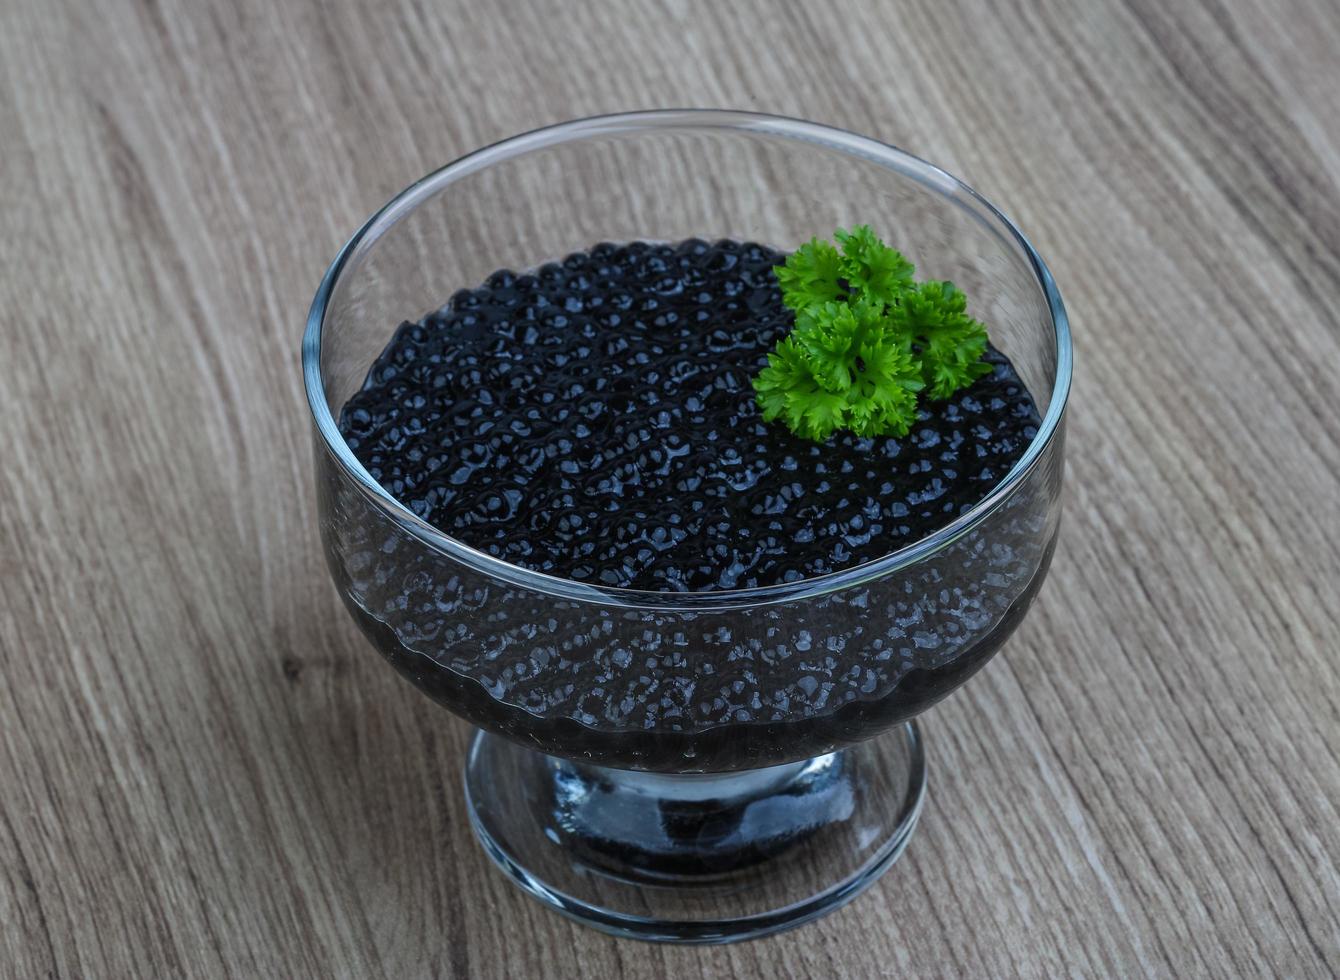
point(868, 339)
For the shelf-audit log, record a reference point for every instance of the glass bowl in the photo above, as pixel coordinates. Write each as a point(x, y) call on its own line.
point(685, 766)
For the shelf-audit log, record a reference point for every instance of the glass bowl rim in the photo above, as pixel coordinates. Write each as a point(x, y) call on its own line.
point(832, 138)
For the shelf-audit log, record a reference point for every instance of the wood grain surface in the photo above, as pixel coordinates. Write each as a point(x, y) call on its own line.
point(206, 772)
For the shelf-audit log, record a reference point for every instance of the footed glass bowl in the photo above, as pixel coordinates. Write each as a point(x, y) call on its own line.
point(685, 766)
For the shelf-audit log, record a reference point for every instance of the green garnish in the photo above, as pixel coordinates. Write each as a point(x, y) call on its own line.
point(867, 339)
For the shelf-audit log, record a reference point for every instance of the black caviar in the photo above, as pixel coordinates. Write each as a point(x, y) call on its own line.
point(595, 420)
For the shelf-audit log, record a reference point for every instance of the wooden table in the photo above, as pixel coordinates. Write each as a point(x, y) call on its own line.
point(205, 772)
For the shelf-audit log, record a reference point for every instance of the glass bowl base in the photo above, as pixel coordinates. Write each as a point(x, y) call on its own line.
point(696, 858)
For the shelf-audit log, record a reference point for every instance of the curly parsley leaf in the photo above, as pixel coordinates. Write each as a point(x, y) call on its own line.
point(840, 369)
point(950, 343)
point(870, 267)
point(867, 340)
point(811, 275)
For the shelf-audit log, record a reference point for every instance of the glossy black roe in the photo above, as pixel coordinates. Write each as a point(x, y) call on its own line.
point(595, 420)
